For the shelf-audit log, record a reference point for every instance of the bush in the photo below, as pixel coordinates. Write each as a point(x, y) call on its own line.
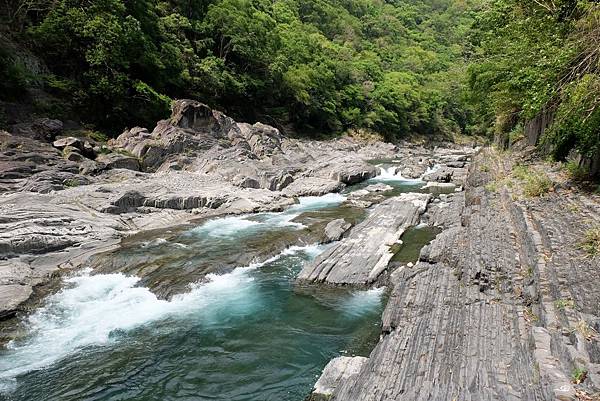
point(591, 242)
point(14, 76)
point(535, 183)
point(576, 172)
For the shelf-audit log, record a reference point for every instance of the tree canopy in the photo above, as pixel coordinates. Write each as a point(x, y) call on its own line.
point(540, 56)
point(394, 67)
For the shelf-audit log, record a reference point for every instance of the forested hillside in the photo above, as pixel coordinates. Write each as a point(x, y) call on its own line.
point(538, 69)
point(503, 68)
point(392, 67)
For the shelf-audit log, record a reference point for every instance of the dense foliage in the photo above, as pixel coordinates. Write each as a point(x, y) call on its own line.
point(540, 56)
point(394, 67)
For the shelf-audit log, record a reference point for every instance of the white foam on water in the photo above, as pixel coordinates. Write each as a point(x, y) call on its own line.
point(226, 226)
point(95, 307)
point(363, 301)
point(235, 225)
point(318, 202)
point(311, 251)
point(392, 174)
point(98, 306)
point(154, 242)
point(431, 169)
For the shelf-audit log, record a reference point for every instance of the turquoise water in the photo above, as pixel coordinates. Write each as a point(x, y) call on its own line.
point(250, 334)
point(238, 334)
point(413, 240)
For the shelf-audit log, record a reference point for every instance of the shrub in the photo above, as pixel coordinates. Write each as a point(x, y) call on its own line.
point(535, 183)
point(578, 375)
point(591, 242)
point(576, 172)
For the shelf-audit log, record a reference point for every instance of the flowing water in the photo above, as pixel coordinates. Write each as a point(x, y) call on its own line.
point(247, 334)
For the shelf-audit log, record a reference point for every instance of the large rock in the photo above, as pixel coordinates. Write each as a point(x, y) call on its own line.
point(442, 174)
point(361, 257)
point(63, 142)
point(32, 165)
point(11, 297)
point(116, 160)
point(312, 186)
point(194, 129)
point(338, 370)
point(43, 129)
point(352, 172)
point(335, 229)
point(72, 154)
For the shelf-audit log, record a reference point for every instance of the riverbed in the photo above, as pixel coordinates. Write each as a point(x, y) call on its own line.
point(251, 333)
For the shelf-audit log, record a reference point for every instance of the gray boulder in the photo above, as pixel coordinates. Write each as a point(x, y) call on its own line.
point(443, 174)
point(43, 129)
point(335, 229)
point(352, 173)
point(339, 370)
point(116, 160)
point(72, 154)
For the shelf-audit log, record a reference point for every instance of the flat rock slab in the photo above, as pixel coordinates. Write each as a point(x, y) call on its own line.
point(338, 370)
point(11, 297)
point(361, 257)
point(313, 186)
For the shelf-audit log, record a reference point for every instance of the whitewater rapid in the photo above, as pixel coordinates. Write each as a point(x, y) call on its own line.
point(104, 309)
point(248, 224)
point(393, 174)
point(94, 309)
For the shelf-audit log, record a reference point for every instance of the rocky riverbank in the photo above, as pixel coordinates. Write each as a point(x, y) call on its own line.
point(502, 305)
point(66, 198)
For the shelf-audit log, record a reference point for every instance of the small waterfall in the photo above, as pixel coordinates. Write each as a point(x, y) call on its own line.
point(393, 174)
point(362, 301)
point(430, 169)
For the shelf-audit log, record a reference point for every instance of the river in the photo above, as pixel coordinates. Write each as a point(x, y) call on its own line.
point(250, 333)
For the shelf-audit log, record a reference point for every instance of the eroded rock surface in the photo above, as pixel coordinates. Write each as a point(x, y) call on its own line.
point(337, 371)
point(66, 196)
point(488, 311)
point(364, 254)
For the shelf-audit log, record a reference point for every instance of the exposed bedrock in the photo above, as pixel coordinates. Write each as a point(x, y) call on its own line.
point(361, 257)
point(67, 197)
point(337, 371)
point(197, 138)
point(502, 305)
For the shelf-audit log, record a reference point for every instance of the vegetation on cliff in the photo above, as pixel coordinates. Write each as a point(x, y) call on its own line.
point(540, 59)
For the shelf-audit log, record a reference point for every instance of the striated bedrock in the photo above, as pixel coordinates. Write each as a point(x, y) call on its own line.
point(502, 305)
point(361, 257)
point(337, 371)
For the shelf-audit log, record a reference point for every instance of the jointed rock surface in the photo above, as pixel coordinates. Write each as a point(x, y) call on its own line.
point(502, 305)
